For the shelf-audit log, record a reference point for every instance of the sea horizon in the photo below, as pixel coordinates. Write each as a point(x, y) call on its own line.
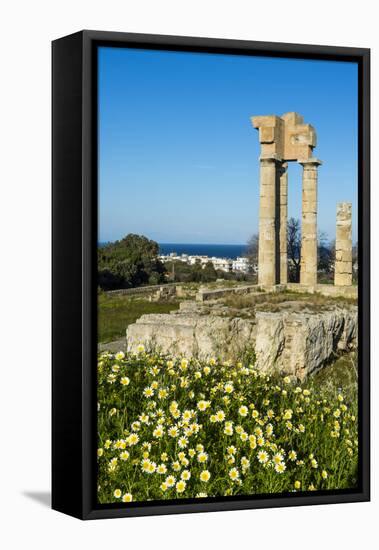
point(217, 250)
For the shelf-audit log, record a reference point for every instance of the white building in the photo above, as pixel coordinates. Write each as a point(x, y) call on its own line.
point(241, 264)
point(173, 256)
point(192, 260)
point(223, 264)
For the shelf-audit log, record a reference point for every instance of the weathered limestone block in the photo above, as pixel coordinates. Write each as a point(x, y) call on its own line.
point(271, 135)
point(299, 138)
point(287, 136)
point(293, 343)
point(269, 341)
point(192, 334)
point(343, 267)
point(300, 343)
point(349, 335)
point(160, 330)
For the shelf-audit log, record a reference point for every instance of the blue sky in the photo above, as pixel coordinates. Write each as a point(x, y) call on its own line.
point(178, 156)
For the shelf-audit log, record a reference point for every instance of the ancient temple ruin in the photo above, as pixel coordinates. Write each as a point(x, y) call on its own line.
point(284, 139)
point(294, 338)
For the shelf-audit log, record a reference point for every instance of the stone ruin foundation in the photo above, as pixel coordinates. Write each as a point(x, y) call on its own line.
point(294, 343)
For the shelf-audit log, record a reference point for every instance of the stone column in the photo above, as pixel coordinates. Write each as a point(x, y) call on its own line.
point(283, 223)
point(308, 264)
point(343, 267)
point(268, 234)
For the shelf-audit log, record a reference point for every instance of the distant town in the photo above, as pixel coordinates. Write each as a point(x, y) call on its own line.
point(239, 264)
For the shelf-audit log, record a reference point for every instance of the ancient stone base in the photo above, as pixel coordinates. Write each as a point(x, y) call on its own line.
point(294, 343)
point(333, 291)
point(209, 295)
point(298, 344)
point(192, 334)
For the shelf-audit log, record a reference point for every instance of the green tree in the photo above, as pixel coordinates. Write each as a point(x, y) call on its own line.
point(209, 273)
point(293, 249)
point(325, 258)
point(252, 251)
point(133, 261)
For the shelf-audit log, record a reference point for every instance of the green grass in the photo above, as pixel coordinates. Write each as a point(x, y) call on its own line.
point(116, 312)
point(341, 374)
point(227, 284)
point(273, 301)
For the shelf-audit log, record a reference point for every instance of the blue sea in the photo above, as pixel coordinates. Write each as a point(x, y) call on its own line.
point(218, 250)
point(231, 251)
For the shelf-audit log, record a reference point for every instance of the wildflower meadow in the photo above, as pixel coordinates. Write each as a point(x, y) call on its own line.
point(173, 428)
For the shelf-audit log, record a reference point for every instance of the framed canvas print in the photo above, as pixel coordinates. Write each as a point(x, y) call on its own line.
point(210, 275)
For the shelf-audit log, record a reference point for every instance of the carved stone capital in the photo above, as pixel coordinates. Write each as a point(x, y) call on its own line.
point(312, 162)
point(271, 158)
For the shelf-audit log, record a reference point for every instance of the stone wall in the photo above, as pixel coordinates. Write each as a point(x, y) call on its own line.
point(142, 289)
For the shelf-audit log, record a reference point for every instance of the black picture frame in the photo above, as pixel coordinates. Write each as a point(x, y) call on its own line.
point(74, 205)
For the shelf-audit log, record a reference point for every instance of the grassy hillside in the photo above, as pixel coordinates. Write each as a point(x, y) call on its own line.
point(116, 312)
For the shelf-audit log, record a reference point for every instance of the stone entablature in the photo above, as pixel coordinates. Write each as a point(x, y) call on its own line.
point(285, 138)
